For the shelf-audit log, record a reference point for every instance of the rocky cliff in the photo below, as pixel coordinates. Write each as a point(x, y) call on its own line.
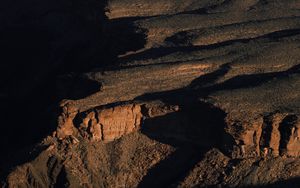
point(165, 94)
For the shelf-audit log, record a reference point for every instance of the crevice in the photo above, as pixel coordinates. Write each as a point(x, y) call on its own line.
point(266, 133)
point(285, 129)
point(54, 168)
point(62, 180)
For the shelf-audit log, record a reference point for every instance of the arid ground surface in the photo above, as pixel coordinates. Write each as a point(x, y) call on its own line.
point(140, 93)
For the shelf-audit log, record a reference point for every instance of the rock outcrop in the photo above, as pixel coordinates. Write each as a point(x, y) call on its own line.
point(112, 123)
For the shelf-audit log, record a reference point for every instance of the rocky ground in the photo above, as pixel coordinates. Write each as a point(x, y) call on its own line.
point(162, 93)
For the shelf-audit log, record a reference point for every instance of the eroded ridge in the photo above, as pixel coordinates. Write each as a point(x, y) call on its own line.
point(110, 123)
point(273, 135)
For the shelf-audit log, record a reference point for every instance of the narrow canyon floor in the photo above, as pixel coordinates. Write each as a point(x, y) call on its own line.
point(139, 93)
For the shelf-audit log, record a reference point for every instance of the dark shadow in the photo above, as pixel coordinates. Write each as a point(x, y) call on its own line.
point(210, 78)
point(252, 80)
point(48, 38)
point(197, 124)
point(74, 86)
point(45, 46)
point(131, 19)
point(153, 53)
point(173, 169)
point(162, 51)
point(40, 40)
point(124, 36)
point(15, 158)
point(193, 130)
point(185, 38)
point(285, 129)
point(149, 65)
point(62, 180)
point(199, 11)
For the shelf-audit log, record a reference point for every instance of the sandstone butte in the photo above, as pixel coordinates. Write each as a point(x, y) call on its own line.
point(164, 93)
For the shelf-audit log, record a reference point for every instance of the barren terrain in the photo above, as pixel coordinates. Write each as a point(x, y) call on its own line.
point(140, 93)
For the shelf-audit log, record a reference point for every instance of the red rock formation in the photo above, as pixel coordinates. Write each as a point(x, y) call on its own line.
point(65, 121)
point(118, 121)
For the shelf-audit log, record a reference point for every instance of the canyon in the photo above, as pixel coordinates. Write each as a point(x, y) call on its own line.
point(137, 93)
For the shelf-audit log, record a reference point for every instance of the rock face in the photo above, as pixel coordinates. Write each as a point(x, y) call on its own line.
point(275, 135)
point(193, 94)
point(112, 123)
